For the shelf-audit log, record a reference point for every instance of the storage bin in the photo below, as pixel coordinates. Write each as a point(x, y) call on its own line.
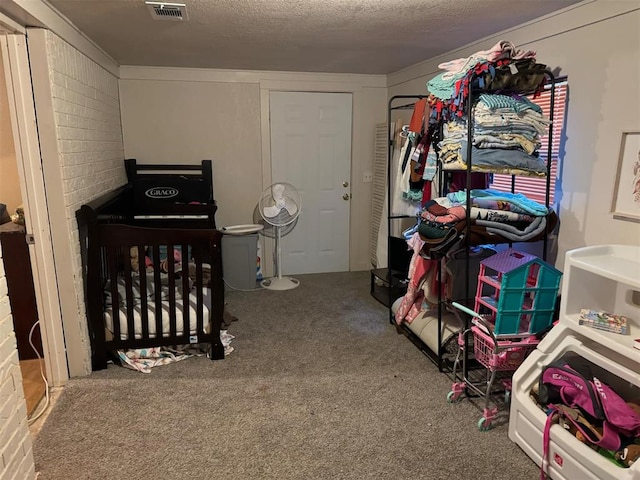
point(603, 278)
point(239, 261)
point(568, 459)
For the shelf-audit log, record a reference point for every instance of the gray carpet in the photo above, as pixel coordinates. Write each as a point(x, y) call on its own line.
point(320, 386)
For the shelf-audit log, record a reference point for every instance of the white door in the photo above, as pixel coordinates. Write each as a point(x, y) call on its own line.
point(311, 149)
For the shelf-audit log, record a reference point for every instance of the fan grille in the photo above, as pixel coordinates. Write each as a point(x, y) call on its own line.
point(279, 204)
point(269, 229)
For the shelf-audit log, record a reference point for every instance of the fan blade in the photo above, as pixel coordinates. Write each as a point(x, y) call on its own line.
point(282, 202)
point(277, 191)
point(290, 206)
point(271, 211)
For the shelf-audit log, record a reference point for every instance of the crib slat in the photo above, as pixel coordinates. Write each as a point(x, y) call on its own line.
point(157, 290)
point(112, 262)
point(144, 313)
point(217, 297)
point(142, 279)
point(171, 269)
point(199, 286)
point(131, 331)
point(186, 300)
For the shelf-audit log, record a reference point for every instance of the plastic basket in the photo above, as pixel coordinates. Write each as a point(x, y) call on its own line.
point(501, 355)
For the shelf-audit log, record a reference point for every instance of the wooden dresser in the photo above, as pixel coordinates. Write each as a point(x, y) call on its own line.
point(17, 266)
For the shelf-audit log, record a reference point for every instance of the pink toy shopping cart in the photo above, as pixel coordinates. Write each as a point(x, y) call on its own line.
point(495, 355)
point(514, 305)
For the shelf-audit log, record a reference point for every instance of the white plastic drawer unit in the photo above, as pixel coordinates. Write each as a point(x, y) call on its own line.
point(605, 278)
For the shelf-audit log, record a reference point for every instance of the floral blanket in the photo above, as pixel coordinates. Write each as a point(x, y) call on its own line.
point(144, 359)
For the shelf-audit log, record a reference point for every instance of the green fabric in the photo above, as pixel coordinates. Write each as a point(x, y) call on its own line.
point(496, 101)
point(429, 231)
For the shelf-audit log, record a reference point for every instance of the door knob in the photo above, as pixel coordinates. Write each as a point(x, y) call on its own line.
point(345, 184)
point(346, 196)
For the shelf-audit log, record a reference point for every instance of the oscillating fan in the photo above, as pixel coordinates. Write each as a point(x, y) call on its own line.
point(278, 210)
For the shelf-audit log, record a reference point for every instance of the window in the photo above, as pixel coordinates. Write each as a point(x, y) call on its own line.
point(535, 187)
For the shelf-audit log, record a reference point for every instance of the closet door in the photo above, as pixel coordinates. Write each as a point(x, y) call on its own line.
point(311, 149)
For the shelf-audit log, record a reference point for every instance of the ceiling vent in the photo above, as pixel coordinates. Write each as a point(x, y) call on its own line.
point(167, 11)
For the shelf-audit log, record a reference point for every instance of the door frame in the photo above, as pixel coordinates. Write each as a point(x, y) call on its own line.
point(341, 172)
point(266, 87)
point(28, 157)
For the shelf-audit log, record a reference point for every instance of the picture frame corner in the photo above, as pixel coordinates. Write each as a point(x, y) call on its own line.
point(625, 204)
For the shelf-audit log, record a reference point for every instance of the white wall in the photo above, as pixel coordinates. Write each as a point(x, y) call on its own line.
point(221, 115)
point(16, 454)
point(184, 122)
point(597, 45)
point(9, 180)
point(181, 115)
point(78, 111)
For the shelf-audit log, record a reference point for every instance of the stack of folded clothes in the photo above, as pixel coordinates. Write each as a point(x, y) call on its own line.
point(495, 217)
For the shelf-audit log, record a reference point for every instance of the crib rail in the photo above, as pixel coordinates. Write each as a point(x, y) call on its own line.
point(163, 287)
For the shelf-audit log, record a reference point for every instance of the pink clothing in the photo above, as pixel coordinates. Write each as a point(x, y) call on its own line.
point(412, 300)
point(502, 49)
point(423, 283)
point(453, 215)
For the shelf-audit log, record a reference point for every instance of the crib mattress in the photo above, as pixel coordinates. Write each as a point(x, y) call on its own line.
point(151, 311)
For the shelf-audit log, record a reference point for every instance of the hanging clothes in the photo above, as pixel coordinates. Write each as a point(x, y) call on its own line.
point(420, 112)
point(423, 284)
point(400, 204)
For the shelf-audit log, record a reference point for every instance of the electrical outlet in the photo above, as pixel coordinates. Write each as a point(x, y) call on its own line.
point(367, 177)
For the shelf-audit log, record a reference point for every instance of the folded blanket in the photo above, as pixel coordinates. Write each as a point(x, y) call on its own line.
point(499, 215)
point(519, 202)
point(513, 233)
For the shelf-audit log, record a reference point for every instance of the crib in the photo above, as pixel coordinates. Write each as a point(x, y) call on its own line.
point(152, 263)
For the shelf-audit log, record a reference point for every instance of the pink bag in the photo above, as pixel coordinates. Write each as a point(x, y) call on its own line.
point(559, 381)
point(560, 384)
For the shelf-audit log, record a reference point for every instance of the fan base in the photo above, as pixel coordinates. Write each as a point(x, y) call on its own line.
point(280, 283)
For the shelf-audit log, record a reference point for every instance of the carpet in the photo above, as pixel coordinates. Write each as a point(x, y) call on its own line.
point(319, 386)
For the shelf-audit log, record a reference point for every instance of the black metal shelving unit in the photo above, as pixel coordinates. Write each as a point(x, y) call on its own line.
point(394, 278)
point(468, 362)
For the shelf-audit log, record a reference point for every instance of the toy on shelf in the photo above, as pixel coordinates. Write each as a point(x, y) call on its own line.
point(609, 322)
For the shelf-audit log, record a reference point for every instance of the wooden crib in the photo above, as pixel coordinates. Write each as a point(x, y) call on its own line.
point(152, 270)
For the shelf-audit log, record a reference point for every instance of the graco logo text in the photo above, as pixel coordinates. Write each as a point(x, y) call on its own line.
point(161, 192)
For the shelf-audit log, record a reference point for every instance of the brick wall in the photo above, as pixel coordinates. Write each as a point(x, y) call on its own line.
point(86, 106)
point(16, 455)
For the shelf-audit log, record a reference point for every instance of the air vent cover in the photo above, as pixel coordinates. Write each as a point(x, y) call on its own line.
point(167, 11)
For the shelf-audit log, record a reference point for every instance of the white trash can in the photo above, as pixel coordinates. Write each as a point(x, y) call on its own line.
point(240, 256)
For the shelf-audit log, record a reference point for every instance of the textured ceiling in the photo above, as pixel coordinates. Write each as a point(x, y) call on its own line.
point(339, 36)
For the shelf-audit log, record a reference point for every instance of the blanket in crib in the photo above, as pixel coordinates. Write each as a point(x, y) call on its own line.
point(188, 302)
